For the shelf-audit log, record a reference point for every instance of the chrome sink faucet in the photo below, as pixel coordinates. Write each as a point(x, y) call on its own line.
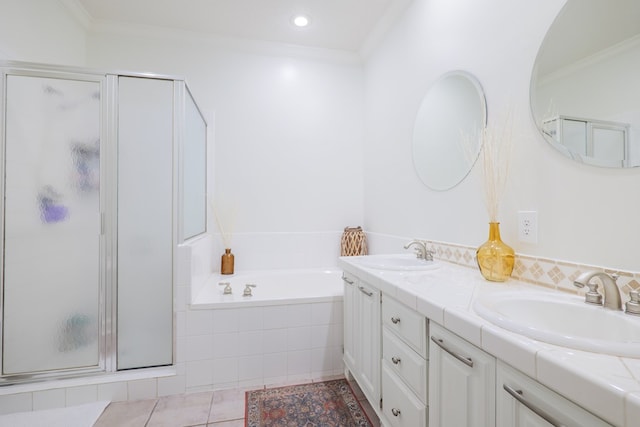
point(421, 249)
point(612, 298)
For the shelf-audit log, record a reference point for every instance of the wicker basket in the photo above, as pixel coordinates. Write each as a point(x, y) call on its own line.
point(353, 242)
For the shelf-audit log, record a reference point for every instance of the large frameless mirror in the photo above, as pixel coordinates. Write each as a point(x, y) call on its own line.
point(585, 86)
point(446, 133)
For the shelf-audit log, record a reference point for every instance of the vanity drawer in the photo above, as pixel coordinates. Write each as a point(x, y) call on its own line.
point(406, 363)
point(401, 408)
point(406, 323)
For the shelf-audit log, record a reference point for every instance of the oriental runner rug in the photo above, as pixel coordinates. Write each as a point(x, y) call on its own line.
point(323, 404)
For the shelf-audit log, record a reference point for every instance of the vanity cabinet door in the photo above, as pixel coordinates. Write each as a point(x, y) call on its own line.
point(461, 382)
point(349, 302)
point(523, 402)
point(362, 336)
point(368, 341)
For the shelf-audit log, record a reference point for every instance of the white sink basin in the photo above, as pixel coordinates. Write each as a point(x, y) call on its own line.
point(397, 262)
point(564, 320)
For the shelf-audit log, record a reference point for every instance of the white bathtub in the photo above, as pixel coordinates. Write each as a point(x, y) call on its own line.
point(273, 287)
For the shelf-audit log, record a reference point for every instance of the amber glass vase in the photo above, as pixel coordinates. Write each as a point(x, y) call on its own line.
point(495, 258)
point(227, 261)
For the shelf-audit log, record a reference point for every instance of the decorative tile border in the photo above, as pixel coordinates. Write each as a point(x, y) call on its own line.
point(535, 270)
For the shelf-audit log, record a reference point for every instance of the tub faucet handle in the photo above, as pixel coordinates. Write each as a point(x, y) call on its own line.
point(247, 289)
point(227, 288)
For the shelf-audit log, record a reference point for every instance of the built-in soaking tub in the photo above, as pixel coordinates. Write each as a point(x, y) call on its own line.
point(272, 287)
point(289, 331)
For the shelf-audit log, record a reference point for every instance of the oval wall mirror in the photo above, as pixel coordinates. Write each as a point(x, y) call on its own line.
point(446, 133)
point(585, 85)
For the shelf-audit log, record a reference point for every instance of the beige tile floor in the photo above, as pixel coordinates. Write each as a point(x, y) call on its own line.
point(223, 408)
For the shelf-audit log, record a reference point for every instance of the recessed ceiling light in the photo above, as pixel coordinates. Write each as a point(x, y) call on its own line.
point(300, 21)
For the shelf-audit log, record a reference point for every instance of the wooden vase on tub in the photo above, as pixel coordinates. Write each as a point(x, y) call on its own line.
point(226, 263)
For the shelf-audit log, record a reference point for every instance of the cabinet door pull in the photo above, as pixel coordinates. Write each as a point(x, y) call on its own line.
point(395, 412)
point(396, 360)
point(366, 292)
point(466, 360)
point(347, 280)
point(517, 394)
point(395, 320)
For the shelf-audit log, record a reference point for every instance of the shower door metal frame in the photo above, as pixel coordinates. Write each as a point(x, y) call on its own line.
point(107, 194)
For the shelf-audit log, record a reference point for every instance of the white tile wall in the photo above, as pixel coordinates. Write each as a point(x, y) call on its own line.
point(19, 402)
point(264, 345)
point(49, 399)
point(82, 394)
point(143, 389)
point(114, 392)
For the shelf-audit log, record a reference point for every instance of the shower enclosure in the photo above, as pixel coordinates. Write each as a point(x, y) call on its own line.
point(91, 215)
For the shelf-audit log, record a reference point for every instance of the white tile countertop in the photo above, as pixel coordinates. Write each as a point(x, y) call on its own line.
point(608, 386)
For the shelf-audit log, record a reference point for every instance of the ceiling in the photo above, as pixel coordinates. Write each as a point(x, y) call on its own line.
point(334, 24)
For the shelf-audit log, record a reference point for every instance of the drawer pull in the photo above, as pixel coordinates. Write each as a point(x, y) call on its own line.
point(395, 320)
point(347, 280)
point(466, 360)
point(517, 394)
point(396, 360)
point(366, 292)
point(395, 412)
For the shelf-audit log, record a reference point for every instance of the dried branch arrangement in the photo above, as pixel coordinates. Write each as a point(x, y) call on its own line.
point(496, 155)
point(224, 223)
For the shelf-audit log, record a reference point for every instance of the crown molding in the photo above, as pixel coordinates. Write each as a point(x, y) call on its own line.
point(77, 11)
point(225, 42)
point(596, 58)
point(375, 37)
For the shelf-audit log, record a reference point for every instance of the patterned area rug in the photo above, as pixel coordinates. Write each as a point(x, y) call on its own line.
point(329, 403)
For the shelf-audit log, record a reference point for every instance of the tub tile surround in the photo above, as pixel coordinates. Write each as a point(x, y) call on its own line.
point(227, 348)
point(292, 343)
point(608, 386)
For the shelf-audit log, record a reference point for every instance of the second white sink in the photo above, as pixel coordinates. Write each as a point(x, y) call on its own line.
point(564, 320)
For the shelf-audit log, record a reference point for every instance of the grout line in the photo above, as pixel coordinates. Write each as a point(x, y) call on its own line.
point(151, 413)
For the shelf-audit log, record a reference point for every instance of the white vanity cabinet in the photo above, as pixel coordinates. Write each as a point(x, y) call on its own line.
point(523, 402)
point(461, 382)
point(404, 365)
point(362, 335)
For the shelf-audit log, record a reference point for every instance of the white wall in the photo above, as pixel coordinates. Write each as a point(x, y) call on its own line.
point(586, 214)
point(40, 31)
point(288, 129)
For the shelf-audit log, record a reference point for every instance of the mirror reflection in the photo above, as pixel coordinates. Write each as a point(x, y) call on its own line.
point(585, 87)
point(446, 132)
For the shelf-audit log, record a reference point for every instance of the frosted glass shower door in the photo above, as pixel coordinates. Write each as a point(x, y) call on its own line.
point(52, 231)
point(145, 222)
